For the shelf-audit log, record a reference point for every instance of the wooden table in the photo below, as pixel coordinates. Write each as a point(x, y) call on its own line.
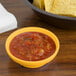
point(65, 62)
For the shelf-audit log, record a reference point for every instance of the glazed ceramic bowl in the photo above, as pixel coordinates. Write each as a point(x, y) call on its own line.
point(53, 19)
point(32, 64)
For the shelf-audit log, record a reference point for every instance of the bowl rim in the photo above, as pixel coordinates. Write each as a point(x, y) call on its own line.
point(28, 3)
point(52, 56)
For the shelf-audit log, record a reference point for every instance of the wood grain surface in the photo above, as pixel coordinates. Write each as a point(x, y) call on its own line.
point(65, 62)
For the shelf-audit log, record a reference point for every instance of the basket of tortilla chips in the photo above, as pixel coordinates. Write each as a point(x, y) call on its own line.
point(59, 13)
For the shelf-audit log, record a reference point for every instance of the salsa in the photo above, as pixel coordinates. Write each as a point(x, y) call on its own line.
point(32, 46)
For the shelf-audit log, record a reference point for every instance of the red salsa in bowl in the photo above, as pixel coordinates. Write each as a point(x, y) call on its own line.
point(32, 46)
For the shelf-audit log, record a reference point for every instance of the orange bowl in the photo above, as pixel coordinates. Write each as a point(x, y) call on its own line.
point(32, 64)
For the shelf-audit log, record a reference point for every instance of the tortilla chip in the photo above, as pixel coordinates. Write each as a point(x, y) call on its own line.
point(64, 7)
point(39, 3)
point(60, 7)
point(48, 5)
